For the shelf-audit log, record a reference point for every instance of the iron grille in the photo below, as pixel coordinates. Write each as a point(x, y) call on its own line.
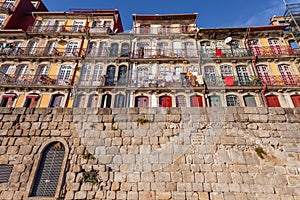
point(5, 171)
point(49, 170)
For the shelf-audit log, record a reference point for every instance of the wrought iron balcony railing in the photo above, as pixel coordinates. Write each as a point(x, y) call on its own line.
point(106, 52)
point(57, 29)
point(35, 80)
point(165, 30)
point(39, 52)
point(225, 53)
point(212, 80)
point(283, 80)
point(274, 51)
point(164, 53)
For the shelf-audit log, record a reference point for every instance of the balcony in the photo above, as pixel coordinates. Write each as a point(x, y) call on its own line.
point(99, 30)
point(39, 52)
point(165, 30)
point(164, 53)
point(287, 80)
point(225, 53)
point(34, 80)
point(275, 51)
point(106, 52)
point(44, 29)
point(218, 81)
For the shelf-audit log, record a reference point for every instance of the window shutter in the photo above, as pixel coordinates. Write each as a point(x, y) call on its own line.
point(5, 171)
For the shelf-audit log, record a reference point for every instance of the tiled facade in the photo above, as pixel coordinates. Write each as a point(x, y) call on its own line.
point(82, 58)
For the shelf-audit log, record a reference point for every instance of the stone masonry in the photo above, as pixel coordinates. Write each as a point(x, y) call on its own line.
point(158, 153)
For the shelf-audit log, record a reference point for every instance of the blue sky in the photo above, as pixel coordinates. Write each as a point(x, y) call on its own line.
point(212, 13)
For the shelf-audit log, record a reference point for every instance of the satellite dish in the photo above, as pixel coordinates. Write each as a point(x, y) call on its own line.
point(228, 40)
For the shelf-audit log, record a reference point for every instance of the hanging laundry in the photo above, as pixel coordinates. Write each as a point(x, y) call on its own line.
point(229, 81)
point(219, 52)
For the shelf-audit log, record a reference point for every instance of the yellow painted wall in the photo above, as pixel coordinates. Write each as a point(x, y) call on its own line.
point(70, 102)
point(90, 24)
point(274, 68)
point(84, 47)
point(45, 101)
point(53, 71)
point(20, 101)
point(69, 24)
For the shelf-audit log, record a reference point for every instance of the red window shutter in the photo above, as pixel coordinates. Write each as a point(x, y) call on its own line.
point(196, 101)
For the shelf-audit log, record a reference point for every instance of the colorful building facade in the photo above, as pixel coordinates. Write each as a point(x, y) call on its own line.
point(82, 58)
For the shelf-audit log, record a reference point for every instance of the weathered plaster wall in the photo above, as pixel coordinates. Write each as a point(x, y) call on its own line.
point(187, 153)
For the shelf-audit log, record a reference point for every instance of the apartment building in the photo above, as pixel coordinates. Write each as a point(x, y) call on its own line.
point(83, 58)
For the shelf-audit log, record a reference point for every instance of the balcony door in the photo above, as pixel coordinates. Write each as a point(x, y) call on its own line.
point(255, 47)
point(110, 75)
point(122, 75)
point(141, 101)
point(64, 75)
point(205, 49)
point(210, 75)
point(165, 101)
point(275, 46)
point(177, 49)
point(273, 101)
point(243, 75)
point(263, 74)
point(196, 101)
point(72, 48)
point(286, 74)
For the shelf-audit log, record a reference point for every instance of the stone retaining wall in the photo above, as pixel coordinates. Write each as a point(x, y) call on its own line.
point(157, 153)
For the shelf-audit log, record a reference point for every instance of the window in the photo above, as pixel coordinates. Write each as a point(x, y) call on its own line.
point(141, 101)
point(226, 70)
point(249, 101)
point(144, 28)
point(64, 75)
point(164, 71)
point(255, 47)
point(8, 100)
point(110, 75)
point(106, 101)
point(31, 47)
point(162, 49)
point(31, 101)
point(9, 4)
point(263, 74)
point(243, 75)
point(79, 101)
point(21, 73)
point(165, 29)
point(190, 49)
point(102, 49)
point(119, 101)
point(275, 46)
point(50, 49)
point(177, 49)
point(142, 76)
point(142, 50)
point(214, 101)
point(193, 69)
point(210, 75)
point(5, 171)
point(205, 49)
point(232, 100)
point(114, 50)
point(85, 75)
point(196, 101)
point(286, 74)
point(2, 20)
point(165, 101)
point(125, 50)
point(97, 75)
point(72, 48)
point(49, 170)
point(78, 26)
point(93, 101)
point(91, 51)
point(122, 75)
point(180, 101)
point(42, 75)
point(57, 101)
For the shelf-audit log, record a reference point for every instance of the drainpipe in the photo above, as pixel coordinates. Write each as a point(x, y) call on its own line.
point(264, 96)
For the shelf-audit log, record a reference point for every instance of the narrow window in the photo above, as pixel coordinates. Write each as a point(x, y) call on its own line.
point(232, 100)
point(50, 166)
